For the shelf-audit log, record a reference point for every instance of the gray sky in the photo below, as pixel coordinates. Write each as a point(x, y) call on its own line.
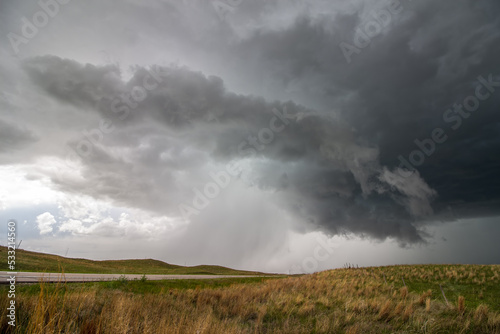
point(272, 135)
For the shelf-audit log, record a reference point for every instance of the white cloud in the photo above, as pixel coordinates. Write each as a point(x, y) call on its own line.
point(18, 187)
point(84, 215)
point(72, 225)
point(45, 221)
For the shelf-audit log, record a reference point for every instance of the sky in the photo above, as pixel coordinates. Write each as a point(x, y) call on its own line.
point(280, 136)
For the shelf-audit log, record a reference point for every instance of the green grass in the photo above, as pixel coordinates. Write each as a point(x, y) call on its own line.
point(40, 262)
point(477, 283)
point(137, 286)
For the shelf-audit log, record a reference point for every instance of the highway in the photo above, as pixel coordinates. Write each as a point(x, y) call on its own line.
point(32, 277)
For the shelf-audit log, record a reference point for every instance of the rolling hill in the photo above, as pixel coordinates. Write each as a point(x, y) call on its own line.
point(41, 262)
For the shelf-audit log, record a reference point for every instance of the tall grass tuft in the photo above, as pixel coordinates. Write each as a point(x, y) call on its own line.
point(461, 304)
point(481, 313)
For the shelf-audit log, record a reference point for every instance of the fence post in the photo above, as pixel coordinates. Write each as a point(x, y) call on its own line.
point(442, 291)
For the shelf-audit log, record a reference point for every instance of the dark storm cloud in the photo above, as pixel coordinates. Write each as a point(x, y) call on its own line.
point(189, 119)
point(335, 163)
point(13, 137)
point(79, 84)
point(399, 87)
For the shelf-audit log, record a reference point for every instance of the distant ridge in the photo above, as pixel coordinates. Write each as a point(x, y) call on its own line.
point(42, 262)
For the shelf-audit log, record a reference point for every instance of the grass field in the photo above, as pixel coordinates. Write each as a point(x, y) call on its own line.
point(395, 299)
point(40, 262)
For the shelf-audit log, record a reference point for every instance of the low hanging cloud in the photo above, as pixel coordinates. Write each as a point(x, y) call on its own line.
point(161, 143)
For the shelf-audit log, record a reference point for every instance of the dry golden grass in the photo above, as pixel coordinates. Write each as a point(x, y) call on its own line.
point(424, 297)
point(481, 313)
point(461, 304)
point(336, 301)
point(428, 305)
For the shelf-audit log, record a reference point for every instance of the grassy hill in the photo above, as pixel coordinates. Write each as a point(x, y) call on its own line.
point(41, 262)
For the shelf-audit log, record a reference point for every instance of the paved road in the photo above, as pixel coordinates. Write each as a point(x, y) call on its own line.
point(27, 277)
